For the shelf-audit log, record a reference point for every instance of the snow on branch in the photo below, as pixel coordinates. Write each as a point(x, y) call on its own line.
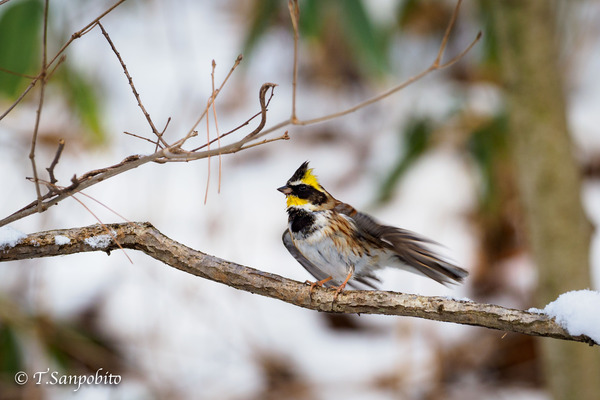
point(146, 238)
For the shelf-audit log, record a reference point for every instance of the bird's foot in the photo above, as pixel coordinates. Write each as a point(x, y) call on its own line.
point(339, 289)
point(313, 285)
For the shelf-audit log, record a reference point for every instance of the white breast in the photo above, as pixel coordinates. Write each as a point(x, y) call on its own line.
point(334, 257)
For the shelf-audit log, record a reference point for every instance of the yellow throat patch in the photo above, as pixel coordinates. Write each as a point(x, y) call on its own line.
point(295, 201)
point(309, 179)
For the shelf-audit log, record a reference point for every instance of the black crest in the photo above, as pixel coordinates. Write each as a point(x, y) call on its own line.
point(300, 172)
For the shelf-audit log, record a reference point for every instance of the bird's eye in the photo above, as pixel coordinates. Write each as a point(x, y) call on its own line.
point(302, 190)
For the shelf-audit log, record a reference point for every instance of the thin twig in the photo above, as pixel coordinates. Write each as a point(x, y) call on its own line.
point(61, 60)
point(214, 109)
point(185, 156)
point(175, 153)
point(105, 206)
point(54, 188)
point(17, 73)
point(295, 16)
point(161, 134)
point(50, 169)
point(236, 128)
point(444, 43)
point(263, 108)
point(190, 133)
point(38, 113)
point(140, 137)
point(462, 53)
point(433, 67)
point(210, 100)
point(285, 136)
point(130, 80)
point(111, 233)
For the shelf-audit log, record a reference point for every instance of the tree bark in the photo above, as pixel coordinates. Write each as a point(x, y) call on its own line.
point(146, 238)
point(548, 178)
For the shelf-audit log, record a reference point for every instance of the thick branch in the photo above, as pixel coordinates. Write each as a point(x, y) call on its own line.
point(146, 238)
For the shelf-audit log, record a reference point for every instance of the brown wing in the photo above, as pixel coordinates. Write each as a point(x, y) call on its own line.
point(409, 247)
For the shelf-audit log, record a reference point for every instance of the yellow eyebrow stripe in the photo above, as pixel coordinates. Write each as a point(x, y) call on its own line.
point(311, 180)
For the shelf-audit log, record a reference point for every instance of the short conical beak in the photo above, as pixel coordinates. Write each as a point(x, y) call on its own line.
point(285, 190)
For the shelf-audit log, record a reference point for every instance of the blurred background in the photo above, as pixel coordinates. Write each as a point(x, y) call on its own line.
point(496, 157)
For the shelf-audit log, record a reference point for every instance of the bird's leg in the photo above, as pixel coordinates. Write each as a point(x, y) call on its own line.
point(315, 284)
point(343, 285)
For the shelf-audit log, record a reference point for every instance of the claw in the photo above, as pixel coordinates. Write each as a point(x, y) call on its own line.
point(315, 284)
point(342, 286)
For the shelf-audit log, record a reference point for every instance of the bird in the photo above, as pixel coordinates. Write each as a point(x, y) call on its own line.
point(341, 246)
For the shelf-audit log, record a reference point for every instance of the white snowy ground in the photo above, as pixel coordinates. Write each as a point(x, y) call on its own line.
point(201, 337)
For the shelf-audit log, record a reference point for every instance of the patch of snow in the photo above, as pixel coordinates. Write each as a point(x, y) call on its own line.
point(458, 298)
point(10, 237)
point(98, 242)
point(61, 240)
point(534, 310)
point(577, 312)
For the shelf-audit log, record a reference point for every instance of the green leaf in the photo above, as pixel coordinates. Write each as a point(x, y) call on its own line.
point(488, 145)
point(81, 94)
point(20, 26)
point(364, 38)
point(11, 358)
point(311, 18)
point(265, 12)
point(416, 142)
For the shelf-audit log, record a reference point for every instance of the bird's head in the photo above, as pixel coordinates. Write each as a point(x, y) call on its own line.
point(303, 190)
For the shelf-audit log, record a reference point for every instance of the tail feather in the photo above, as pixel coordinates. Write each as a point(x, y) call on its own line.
point(410, 250)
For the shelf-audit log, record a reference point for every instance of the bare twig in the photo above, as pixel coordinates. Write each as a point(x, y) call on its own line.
point(285, 136)
point(237, 127)
point(133, 89)
point(17, 73)
point(190, 133)
point(172, 153)
point(295, 16)
point(146, 238)
point(233, 147)
point(141, 137)
point(214, 109)
point(38, 113)
point(162, 133)
point(263, 109)
point(436, 65)
point(211, 100)
point(175, 152)
point(110, 232)
point(50, 169)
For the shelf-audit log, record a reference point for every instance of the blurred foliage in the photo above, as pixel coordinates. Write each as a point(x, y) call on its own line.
point(347, 25)
point(11, 357)
point(424, 17)
point(78, 346)
point(415, 139)
point(21, 25)
point(488, 145)
point(489, 64)
point(83, 99)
